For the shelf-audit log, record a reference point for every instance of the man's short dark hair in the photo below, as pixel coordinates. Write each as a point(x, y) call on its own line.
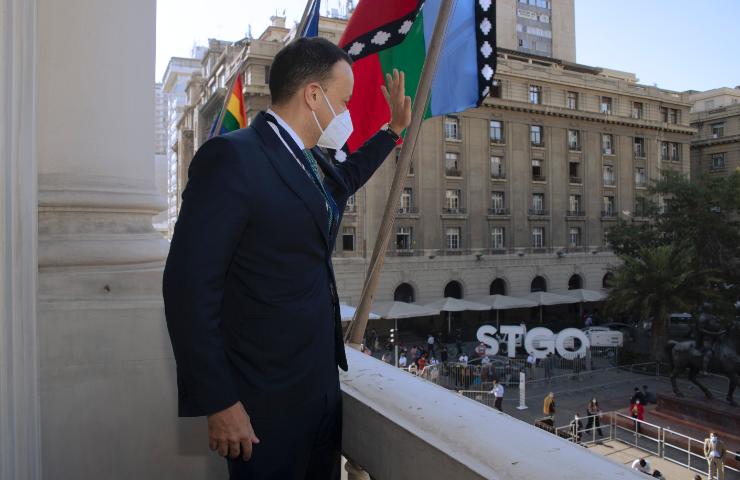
point(300, 62)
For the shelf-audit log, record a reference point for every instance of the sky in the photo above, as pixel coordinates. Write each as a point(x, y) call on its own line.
point(676, 44)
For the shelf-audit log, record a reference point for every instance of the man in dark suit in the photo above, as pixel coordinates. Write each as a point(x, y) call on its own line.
point(249, 290)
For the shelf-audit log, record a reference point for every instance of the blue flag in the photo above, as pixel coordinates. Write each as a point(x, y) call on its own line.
point(311, 28)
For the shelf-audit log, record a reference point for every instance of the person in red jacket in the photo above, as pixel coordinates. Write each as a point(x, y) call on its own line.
point(637, 410)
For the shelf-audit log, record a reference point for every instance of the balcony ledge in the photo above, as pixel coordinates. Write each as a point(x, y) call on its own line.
point(399, 426)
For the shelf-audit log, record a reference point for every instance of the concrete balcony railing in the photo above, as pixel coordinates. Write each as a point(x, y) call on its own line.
point(399, 426)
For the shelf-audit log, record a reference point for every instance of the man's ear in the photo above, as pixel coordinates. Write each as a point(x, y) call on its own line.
point(311, 94)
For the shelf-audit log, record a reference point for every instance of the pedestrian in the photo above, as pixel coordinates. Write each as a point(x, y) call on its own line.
point(638, 413)
point(402, 360)
point(576, 427)
point(498, 395)
point(430, 344)
point(549, 362)
point(463, 358)
point(443, 354)
point(641, 465)
point(422, 362)
point(594, 417)
point(638, 395)
point(648, 396)
point(589, 322)
point(714, 452)
point(412, 353)
point(548, 407)
point(531, 363)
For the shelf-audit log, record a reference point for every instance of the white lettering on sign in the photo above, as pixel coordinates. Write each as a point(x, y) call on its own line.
point(538, 342)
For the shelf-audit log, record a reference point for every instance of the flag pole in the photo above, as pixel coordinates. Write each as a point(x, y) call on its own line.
point(240, 59)
point(356, 329)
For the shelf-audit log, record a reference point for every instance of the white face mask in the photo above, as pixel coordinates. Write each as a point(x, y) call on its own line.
point(338, 131)
point(713, 438)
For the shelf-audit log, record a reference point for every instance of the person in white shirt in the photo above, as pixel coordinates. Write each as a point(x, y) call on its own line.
point(463, 358)
point(430, 344)
point(714, 452)
point(402, 361)
point(498, 395)
point(641, 465)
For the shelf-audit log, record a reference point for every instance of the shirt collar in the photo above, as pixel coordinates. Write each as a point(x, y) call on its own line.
point(292, 133)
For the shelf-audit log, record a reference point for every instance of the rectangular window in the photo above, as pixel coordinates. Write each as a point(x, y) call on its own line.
point(452, 128)
point(571, 100)
point(574, 204)
point(608, 207)
point(718, 130)
point(495, 89)
point(574, 170)
point(640, 178)
point(637, 109)
point(407, 200)
point(664, 150)
point(535, 135)
point(535, 94)
point(498, 238)
point(348, 239)
point(452, 201)
point(538, 173)
point(718, 161)
point(452, 164)
point(672, 116)
point(664, 114)
point(496, 131)
point(350, 206)
point(574, 237)
point(267, 74)
point(403, 238)
point(675, 152)
point(574, 142)
point(538, 203)
point(497, 168)
point(639, 147)
point(607, 141)
point(608, 175)
point(452, 235)
point(497, 201)
point(538, 237)
point(640, 206)
point(605, 105)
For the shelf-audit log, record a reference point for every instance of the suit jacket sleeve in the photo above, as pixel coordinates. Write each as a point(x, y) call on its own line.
point(360, 165)
point(211, 221)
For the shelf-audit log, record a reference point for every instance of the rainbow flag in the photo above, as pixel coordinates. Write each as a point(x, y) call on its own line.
point(235, 117)
point(385, 34)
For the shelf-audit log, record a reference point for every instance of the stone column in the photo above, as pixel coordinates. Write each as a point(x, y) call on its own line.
point(19, 401)
point(108, 396)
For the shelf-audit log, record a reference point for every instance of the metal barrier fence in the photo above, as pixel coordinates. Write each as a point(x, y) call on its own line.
point(679, 448)
point(476, 375)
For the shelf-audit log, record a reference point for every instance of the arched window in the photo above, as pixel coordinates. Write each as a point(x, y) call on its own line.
point(607, 281)
point(539, 284)
point(454, 290)
point(498, 287)
point(404, 293)
point(575, 282)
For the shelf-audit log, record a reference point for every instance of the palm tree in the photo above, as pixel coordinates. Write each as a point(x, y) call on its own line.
point(655, 282)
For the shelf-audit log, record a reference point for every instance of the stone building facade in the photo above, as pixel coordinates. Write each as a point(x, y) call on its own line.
point(715, 150)
point(515, 195)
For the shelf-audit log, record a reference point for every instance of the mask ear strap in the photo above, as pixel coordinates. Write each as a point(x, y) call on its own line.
point(327, 101)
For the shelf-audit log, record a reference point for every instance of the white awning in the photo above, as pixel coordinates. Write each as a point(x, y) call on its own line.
point(402, 310)
point(583, 295)
point(546, 298)
point(449, 304)
point(504, 302)
point(348, 312)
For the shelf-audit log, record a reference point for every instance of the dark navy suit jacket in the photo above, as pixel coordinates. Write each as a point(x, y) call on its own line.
point(249, 290)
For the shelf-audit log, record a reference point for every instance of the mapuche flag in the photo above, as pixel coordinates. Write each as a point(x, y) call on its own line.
point(235, 117)
point(386, 34)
